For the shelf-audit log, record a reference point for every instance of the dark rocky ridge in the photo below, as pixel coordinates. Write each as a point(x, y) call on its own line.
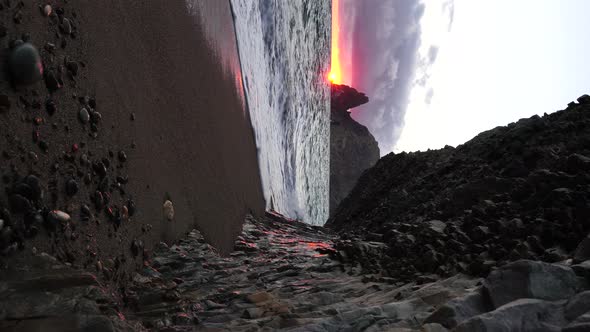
point(513, 192)
point(352, 147)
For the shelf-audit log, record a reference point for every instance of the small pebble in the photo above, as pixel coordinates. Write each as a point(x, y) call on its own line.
point(168, 210)
point(95, 117)
point(52, 82)
point(50, 106)
point(72, 187)
point(66, 26)
point(84, 116)
point(44, 146)
point(58, 216)
point(47, 10)
point(122, 156)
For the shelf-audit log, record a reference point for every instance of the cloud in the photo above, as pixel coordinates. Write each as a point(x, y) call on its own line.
point(428, 96)
point(384, 45)
point(432, 53)
point(449, 10)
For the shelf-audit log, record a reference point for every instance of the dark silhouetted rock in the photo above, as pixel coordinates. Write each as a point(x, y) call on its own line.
point(531, 279)
point(352, 147)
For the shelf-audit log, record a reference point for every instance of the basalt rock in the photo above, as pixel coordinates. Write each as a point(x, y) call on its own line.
point(352, 147)
point(513, 192)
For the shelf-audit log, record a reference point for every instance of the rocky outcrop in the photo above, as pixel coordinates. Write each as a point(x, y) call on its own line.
point(513, 192)
point(352, 147)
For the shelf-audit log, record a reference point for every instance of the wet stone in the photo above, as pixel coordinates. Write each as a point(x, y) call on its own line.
point(25, 64)
point(65, 26)
point(47, 10)
point(52, 82)
point(95, 117)
point(168, 210)
point(122, 156)
point(44, 146)
point(58, 217)
point(4, 103)
point(50, 106)
point(136, 247)
point(72, 187)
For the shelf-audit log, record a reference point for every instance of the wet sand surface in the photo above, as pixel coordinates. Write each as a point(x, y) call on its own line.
point(170, 100)
point(193, 141)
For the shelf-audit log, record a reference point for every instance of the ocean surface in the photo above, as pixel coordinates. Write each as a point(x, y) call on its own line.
point(284, 49)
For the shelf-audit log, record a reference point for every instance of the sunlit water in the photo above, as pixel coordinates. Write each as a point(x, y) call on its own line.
point(284, 51)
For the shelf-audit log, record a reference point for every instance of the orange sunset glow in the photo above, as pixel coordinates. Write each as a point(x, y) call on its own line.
point(335, 75)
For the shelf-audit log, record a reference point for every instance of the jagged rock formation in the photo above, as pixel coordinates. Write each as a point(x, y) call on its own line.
point(352, 147)
point(513, 192)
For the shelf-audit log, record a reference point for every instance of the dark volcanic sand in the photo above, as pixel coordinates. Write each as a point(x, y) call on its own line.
point(191, 140)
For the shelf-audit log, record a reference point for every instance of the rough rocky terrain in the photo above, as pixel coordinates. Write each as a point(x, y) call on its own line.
point(352, 147)
point(510, 193)
point(282, 276)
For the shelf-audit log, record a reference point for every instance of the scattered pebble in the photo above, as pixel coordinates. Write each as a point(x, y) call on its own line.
point(50, 106)
point(66, 26)
point(84, 116)
point(47, 10)
point(58, 217)
point(44, 146)
point(122, 156)
point(25, 64)
point(168, 209)
point(52, 82)
point(72, 187)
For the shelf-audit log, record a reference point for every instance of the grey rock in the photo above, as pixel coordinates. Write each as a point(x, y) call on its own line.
point(66, 26)
point(84, 116)
point(577, 305)
point(520, 315)
point(530, 279)
point(458, 310)
point(25, 64)
point(582, 269)
point(582, 252)
point(577, 327)
point(433, 327)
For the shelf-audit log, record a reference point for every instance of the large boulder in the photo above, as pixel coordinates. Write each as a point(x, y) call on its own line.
point(531, 279)
point(577, 306)
point(458, 310)
point(582, 252)
point(520, 315)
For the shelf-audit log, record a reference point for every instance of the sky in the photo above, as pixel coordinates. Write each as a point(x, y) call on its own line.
point(438, 72)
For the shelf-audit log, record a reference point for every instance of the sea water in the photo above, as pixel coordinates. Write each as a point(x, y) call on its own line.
point(284, 49)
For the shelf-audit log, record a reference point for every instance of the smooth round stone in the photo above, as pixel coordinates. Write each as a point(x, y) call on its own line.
point(84, 116)
point(168, 210)
point(25, 64)
point(47, 10)
point(57, 217)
